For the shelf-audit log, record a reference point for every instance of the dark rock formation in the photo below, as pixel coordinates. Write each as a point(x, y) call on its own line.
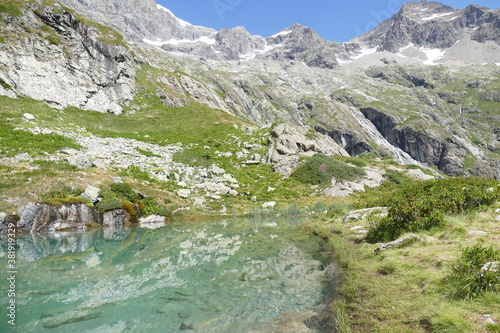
point(347, 140)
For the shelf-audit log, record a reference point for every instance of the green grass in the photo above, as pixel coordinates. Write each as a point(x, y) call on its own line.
point(147, 153)
point(10, 8)
point(400, 290)
point(14, 142)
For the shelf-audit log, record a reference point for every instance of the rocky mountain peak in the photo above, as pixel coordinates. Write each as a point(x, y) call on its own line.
point(139, 20)
point(420, 9)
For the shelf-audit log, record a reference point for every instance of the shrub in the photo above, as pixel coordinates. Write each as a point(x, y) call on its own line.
point(396, 177)
point(124, 191)
point(150, 206)
point(292, 210)
point(468, 279)
point(422, 205)
point(320, 169)
point(137, 173)
point(109, 203)
point(320, 207)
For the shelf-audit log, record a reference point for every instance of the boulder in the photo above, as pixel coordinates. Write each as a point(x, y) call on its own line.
point(152, 222)
point(269, 204)
point(91, 193)
point(184, 193)
point(401, 242)
point(362, 214)
point(288, 143)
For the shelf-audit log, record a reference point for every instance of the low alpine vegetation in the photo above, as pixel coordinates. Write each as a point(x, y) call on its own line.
point(321, 169)
point(475, 273)
point(422, 205)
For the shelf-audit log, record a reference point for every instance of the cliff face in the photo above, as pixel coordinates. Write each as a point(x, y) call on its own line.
point(53, 56)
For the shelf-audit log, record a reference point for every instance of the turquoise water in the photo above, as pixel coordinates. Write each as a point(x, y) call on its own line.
point(217, 276)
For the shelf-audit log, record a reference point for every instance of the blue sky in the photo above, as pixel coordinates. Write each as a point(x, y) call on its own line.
point(333, 20)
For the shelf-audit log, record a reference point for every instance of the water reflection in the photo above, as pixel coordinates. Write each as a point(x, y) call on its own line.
point(218, 276)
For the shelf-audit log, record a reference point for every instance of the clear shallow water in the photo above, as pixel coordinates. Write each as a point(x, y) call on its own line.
point(217, 276)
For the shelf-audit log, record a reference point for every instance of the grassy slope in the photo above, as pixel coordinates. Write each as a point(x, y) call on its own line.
point(401, 290)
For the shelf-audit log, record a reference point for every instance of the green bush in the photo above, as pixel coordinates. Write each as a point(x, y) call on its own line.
point(397, 177)
point(320, 207)
point(109, 202)
point(422, 205)
point(137, 173)
point(150, 206)
point(124, 191)
point(468, 280)
point(292, 210)
point(320, 169)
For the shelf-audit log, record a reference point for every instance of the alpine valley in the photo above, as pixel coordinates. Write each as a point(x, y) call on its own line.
point(115, 112)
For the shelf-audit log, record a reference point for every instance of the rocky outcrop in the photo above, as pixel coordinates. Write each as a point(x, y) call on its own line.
point(348, 140)
point(42, 217)
point(288, 143)
point(68, 63)
point(139, 19)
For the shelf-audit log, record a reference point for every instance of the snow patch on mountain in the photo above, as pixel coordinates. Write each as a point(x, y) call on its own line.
point(435, 16)
point(204, 39)
point(433, 55)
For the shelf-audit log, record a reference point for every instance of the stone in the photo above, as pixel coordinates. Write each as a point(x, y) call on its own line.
point(184, 193)
point(81, 71)
point(401, 242)
point(2, 217)
point(199, 201)
point(361, 214)
point(81, 161)
point(216, 171)
point(269, 204)
point(491, 266)
point(28, 116)
point(152, 222)
point(117, 217)
point(91, 193)
point(40, 217)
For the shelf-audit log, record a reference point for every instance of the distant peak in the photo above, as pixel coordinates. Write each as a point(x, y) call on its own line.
point(419, 7)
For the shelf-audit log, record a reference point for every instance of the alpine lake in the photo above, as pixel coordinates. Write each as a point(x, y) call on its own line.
point(234, 275)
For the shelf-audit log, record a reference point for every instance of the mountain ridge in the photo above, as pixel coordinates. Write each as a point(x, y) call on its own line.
point(344, 90)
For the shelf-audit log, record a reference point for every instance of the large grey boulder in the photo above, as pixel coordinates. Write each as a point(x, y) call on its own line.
point(288, 143)
point(91, 193)
point(39, 217)
point(152, 222)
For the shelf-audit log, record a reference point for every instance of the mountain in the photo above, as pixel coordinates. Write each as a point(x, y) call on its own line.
point(422, 88)
point(434, 32)
point(429, 31)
